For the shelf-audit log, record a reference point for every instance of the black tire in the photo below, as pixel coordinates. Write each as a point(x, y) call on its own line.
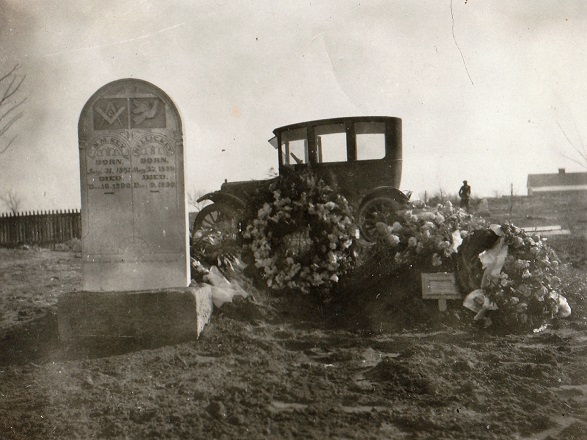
point(376, 210)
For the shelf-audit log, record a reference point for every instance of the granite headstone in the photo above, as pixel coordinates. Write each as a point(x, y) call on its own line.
point(134, 222)
point(135, 259)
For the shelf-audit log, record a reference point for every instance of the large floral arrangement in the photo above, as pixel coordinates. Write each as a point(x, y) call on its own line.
point(527, 289)
point(523, 290)
point(428, 240)
point(304, 236)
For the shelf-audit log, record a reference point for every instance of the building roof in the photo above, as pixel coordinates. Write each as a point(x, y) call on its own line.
point(561, 180)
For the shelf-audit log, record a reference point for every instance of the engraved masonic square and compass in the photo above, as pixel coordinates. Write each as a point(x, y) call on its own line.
point(124, 113)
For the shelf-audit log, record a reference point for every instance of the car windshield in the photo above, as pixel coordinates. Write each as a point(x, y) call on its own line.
point(294, 146)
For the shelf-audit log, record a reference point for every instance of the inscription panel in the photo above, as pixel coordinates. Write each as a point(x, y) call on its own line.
point(133, 193)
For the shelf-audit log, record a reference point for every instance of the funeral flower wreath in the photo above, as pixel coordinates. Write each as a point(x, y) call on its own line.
point(304, 237)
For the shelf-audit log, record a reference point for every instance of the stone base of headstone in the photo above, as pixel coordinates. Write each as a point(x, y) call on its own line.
point(147, 317)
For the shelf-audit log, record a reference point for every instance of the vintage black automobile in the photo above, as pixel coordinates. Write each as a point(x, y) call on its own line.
point(360, 156)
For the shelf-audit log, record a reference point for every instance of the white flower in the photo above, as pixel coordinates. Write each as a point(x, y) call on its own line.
point(457, 240)
point(564, 310)
point(521, 307)
point(396, 227)
point(522, 264)
point(428, 216)
point(540, 293)
point(555, 281)
point(428, 225)
point(266, 209)
point(436, 260)
point(393, 239)
point(525, 290)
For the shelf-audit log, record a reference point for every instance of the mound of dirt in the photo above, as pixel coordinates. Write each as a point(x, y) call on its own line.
point(282, 367)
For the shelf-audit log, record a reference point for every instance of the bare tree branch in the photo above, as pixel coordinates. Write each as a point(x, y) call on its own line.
point(580, 151)
point(7, 125)
point(10, 86)
point(578, 162)
point(14, 69)
point(8, 145)
point(12, 108)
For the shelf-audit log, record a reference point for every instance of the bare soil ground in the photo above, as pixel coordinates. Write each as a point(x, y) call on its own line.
point(277, 367)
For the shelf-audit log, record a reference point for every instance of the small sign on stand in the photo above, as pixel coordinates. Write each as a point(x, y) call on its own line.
point(440, 286)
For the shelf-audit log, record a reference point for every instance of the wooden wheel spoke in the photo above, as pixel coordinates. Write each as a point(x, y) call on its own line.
point(375, 211)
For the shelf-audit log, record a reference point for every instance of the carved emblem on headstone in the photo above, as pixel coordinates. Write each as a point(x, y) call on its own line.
point(148, 113)
point(110, 113)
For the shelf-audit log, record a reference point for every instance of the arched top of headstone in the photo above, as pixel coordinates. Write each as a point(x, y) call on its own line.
point(128, 106)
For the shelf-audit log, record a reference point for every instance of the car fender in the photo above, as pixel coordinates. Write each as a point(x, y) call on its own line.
point(222, 197)
point(386, 191)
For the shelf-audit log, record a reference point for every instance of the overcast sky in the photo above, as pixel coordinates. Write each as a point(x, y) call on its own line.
point(489, 91)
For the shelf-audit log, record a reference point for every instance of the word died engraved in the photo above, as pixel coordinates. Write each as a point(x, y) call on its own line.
point(156, 154)
point(107, 160)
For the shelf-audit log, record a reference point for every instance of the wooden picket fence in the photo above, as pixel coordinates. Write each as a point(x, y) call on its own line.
point(39, 228)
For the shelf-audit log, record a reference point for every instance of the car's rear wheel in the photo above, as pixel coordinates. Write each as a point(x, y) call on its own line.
point(377, 210)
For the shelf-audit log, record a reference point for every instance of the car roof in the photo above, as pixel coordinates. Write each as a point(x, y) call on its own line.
point(336, 121)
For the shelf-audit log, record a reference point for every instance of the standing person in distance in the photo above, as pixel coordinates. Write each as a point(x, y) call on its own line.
point(465, 195)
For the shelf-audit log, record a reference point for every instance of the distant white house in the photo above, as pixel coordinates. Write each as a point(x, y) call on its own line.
point(556, 183)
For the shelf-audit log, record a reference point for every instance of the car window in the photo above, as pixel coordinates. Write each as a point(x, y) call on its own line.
point(294, 146)
point(370, 140)
point(331, 144)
